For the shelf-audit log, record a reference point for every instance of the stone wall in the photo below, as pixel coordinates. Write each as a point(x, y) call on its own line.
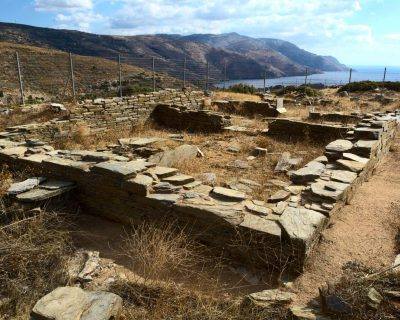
point(335, 117)
point(126, 112)
point(179, 118)
point(276, 237)
point(294, 130)
point(246, 108)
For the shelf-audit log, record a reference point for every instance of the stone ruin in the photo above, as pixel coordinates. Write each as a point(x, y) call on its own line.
point(275, 234)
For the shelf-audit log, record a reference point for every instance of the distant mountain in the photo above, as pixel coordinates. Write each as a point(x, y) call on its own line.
point(245, 57)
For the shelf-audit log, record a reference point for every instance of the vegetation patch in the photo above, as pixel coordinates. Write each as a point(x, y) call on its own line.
point(362, 86)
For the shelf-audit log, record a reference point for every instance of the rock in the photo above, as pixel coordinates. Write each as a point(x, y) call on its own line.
point(34, 143)
point(295, 190)
point(142, 142)
point(286, 163)
point(334, 305)
point(351, 156)
point(396, 263)
point(343, 176)
point(180, 154)
point(301, 224)
point(322, 159)
point(167, 198)
point(73, 303)
point(280, 207)
point(166, 187)
point(179, 180)
point(367, 133)
point(120, 170)
point(339, 145)
point(354, 166)
point(56, 184)
point(191, 185)
point(163, 172)
point(208, 178)
point(26, 185)
point(229, 194)
point(279, 196)
point(239, 164)
point(327, 191)
point(249, 183)
point(258, 209)
point(240, 187)
point(374, 298)
point(234, 148)
point(309, 173)
point(260, 151)
point(91, 265)
point(261, 224)
point(343, 94)
point(42, 194)
point(268, 298)
point(365, 148)
point(303, 313)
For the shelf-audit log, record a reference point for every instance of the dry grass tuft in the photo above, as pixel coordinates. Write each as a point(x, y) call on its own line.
point(32, 261)
point(158, 251)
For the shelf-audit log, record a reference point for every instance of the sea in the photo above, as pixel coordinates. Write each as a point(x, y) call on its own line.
point(359, 73)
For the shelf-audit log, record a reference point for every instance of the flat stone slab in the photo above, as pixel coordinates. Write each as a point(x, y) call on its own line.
point(304, 313)
point(269, 298)
point(56, 184)
point(229, 194)
point(163, 172)
point(351, 165)
point(39, 194)
point(301, 223)
point(339, 145)
point(14, 151)
point(123, 170)
point(26, 185)
point(343, 176)
point(278, 196)
point(354, 157)
point(322, 190)
point(261, 224)
point(260, 210)
point(168, 198)
point(310, 172)
point(170, 158)
point(73, 303)
point(141, 142)
point(179, 179)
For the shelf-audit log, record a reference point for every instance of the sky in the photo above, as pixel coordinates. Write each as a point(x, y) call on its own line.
point(357, 32)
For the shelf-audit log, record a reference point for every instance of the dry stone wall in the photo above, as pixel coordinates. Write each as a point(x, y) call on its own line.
point(247, 108)
point(276, 234)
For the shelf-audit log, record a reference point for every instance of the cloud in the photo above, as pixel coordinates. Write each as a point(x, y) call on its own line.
point(80, 20)
point(392, 36)
point(58, 5)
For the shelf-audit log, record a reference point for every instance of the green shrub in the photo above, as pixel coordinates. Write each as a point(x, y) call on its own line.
point(129, 90)
point(361, 86)
point(242, 88)
point(305, 90)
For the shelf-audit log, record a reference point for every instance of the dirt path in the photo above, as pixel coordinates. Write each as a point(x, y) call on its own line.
point(361, 231)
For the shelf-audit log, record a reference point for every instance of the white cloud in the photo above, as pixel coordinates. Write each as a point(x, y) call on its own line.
point(80, 20)
point(58, 5)
point(392, 36)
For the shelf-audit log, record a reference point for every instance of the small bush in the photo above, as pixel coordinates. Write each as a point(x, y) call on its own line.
point(130, 90)
point(303, 90)
point(242, 88)
point(363, 86)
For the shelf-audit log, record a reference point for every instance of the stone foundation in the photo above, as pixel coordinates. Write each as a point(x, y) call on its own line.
point(246, 108)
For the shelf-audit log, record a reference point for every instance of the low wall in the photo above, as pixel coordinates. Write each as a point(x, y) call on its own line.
point(335, 117)
point(173, 116)
point(246, 108)
point(278, 236)
point(294, 129)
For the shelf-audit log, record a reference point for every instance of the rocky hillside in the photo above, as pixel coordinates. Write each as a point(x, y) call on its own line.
point(245, 57)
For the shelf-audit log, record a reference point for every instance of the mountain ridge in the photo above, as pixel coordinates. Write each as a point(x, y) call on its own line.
point(244, 56)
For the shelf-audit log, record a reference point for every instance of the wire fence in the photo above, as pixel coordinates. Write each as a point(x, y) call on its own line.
point(31, 76)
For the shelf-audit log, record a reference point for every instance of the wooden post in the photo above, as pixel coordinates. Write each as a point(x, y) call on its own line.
point(120, 75)
point(265, 79)
point(224, 75)
point(384, 75)
point(305, 79)
point(21, 86)
point(207, 76)
point(350, 73)
point(71, 66)
point(153, 68)
point(184, 73)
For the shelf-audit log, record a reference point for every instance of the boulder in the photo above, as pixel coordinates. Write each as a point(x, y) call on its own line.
point(73, 303)
point(180, 154)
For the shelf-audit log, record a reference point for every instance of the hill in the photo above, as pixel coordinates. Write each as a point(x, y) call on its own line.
point(244, 56)
point(46, 72)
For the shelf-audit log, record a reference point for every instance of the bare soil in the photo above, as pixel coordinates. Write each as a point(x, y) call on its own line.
point(362, 231)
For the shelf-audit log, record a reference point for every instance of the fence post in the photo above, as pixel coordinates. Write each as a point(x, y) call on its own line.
point(224, 75)
point(71, 66)
point(305, 79)
point(184, 73)
point(265, 80)
point(120, 75)
point(21, 87)
point(350, 73)
point(153, 68)
point(384, 75)
point(207, 75)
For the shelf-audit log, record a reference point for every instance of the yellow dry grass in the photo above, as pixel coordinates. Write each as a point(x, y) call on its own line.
point(224, 95)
